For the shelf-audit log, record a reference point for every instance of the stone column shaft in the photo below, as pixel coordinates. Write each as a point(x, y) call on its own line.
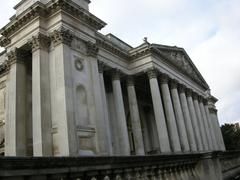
point(41, 104)
point(196, 127)
point(200, 122)
point(179, 118)
point(120, 115)
point(135, 118)
point(187, 119)
point(159, 113)
point(15, 136)
point(211, 128)
point(206, 127)
point(105, 109)
point(170, 117)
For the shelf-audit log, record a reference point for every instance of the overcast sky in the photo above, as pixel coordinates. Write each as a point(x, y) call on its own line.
point(209, 30)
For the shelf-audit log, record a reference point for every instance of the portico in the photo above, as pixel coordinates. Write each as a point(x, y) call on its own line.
point(73, 91)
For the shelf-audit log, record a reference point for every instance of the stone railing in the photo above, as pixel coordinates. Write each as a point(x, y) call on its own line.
point(162, 167)
point(230, 162)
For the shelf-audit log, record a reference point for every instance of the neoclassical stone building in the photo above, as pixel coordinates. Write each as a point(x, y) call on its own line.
point(67, 90)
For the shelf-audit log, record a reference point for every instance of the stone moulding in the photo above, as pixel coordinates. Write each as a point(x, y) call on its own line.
point(40, 10)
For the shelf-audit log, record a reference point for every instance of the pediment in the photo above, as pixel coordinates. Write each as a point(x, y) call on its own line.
point(180, 59)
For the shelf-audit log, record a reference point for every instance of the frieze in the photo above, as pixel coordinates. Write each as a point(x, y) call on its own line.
point(41, 10)
point(39, 41)
point(109, 47)
point(92, 49)
point(62, 35)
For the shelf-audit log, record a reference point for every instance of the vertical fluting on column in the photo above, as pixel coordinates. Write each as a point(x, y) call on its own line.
point(211, 127)
point(158, 112)
point(170, 117)
point(15, 132)
point(179, 117)
point(200, 121)
point(135, 117)
point(105, 108)
point(205, 123)
point(196, 126)
point(218, 133)
point(120, 114)
point(41, 104)
point(187, 119)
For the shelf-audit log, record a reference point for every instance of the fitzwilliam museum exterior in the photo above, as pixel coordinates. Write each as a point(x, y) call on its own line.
point(66, 90)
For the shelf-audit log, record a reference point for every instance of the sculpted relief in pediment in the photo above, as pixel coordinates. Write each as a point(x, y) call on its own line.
point(179, 59)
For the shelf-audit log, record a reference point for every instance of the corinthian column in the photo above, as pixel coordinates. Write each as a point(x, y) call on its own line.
point(200, 122)
point(42, 125)
point(158, 112)
point(205, 123)
point(179, 117)
point(15, 133)
point(211, 127)
point(196, 127)
point(171, 121)
point(135, 117)
point(120, 114)
point(187, 119)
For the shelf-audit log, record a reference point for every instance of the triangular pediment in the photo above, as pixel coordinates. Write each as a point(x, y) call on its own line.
point(180, 59)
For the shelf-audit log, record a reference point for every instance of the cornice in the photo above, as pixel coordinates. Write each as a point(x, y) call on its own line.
point(4, 41)
point(109, 47)
point(40, 10)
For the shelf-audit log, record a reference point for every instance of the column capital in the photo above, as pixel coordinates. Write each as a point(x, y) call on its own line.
point(16, 55)
point(152, 73)
point(101, 66)
point(62, 35)
point(205, 102)
point(40, 41)
point(174, 84)
point(189, 92)
point(116, 74)
point(182, 88)
point(213, 110)
point(92, 49)
point(130, 81)
point(195, 96)
point(164, 78)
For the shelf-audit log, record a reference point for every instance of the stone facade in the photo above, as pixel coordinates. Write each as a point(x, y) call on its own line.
point(68, 90)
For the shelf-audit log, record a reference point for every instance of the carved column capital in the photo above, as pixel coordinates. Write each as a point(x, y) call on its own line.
point(40, 41)
point(92, 49)
point(14, 56)
point(164, 79)
point(152, 73)
point(101, 66)
point(61, 35)
point(116, 74)
point(189, 92)
point(173, 84)
point(213, 110)
point(182, 88)
point(130, 81)
point(195, 96)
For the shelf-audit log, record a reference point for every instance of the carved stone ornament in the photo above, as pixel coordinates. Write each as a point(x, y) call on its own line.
point(14, 56)
point(164, 79)
point(182, 88)
point(39, 41)
point(152, 73)
point(79, 63)
point(101, 66)
point(116, 74)
point(130, 81)
point(62, 35)
point(189, 92)
point(92, 49)
point(173, 84)
point(4, 41)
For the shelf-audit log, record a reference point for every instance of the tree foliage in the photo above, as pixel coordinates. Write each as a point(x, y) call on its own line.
point(231, 136)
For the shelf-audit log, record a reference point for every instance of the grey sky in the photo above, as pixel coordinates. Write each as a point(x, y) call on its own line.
point(207, 29)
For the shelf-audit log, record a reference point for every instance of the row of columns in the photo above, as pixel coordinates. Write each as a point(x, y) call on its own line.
point(182, 117)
